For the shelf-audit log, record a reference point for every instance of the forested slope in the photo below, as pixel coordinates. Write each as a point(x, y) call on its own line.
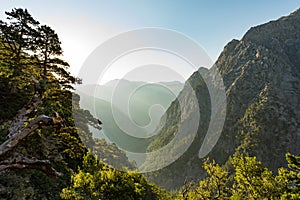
point(42, 151)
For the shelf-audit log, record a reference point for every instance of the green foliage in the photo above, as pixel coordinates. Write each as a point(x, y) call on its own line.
point(216, 186)
point(14, 186)
point(95, 180)
point(61, 146)
point(30, 49)
point(290, 178)
point(47, 50)
point(253, 181)
point(246, 179)
point(27, 43)
point(112, 155)
point(27, 184)
point(17, 36)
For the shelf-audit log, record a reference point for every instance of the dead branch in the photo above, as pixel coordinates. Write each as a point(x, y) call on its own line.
point(23, 114)
point(186, 188)
point(14, 140)
point(17, 132)
point(20, 162)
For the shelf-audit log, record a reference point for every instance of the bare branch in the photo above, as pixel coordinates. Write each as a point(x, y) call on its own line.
point(23, 114)
point(14, 140)
point(20, 162)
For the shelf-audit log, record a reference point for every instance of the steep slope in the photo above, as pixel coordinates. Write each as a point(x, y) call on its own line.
point(41, 145)
point(133, 99)
point(261, 74)
point(128, 107)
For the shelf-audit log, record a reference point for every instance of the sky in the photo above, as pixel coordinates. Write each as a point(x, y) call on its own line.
point(84, 25)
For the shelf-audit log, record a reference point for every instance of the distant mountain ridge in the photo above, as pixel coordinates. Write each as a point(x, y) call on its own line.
point(261, 73)
point(128, 109)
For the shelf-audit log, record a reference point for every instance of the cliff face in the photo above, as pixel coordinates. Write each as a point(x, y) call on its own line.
point(261, 73)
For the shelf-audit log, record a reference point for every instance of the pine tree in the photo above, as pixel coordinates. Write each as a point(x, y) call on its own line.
point(291, 178)
point(18, 36)
point(47, 51)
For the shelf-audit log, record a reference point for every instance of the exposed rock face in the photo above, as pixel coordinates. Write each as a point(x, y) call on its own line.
point(261, 73)
point(262, 76)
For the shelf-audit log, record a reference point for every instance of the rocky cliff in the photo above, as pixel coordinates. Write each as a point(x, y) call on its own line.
point(261, 73)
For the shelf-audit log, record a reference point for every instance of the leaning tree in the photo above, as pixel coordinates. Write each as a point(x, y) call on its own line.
point(32, 52)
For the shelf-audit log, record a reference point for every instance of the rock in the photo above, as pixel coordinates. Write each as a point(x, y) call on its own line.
point(261, 73)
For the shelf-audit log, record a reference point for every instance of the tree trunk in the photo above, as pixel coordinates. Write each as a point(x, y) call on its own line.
point(17, 132)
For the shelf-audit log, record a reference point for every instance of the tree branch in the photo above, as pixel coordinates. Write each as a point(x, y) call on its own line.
point(20, 162)
point(14, 140)
point(17, 133)
point(23, 114)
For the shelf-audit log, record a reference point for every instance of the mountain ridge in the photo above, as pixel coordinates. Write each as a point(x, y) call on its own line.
point(261, 76)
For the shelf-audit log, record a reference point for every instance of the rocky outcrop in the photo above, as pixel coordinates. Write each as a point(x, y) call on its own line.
point(261, 73)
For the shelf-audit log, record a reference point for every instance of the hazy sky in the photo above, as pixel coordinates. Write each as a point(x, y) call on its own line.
point(84, 25)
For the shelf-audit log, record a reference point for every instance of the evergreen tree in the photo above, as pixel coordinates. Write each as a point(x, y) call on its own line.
point(290, 179)
point(47, 49)
point(95, 180)
point(216, 185)
point(18, 37)
point(252, 180)
point(26, 43)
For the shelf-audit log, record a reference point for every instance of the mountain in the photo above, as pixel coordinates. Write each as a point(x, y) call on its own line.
point(129, 110)
point(261, 74)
